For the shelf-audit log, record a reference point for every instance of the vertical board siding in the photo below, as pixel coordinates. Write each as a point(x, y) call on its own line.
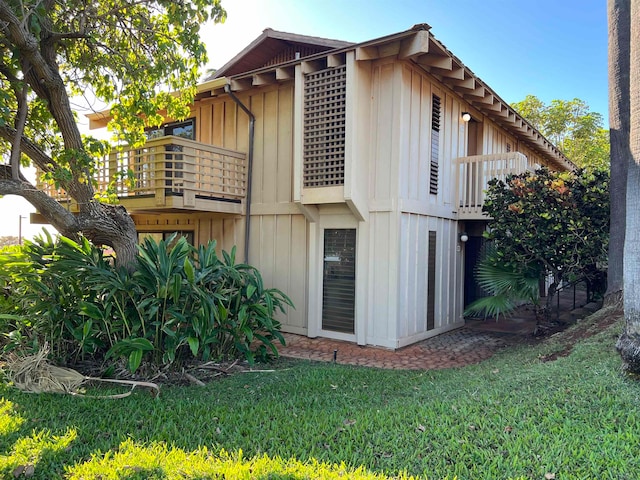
point(278, 244)
point(417, 139)
point(382, 286)
point(221, 123)
point(382, 136)
point(284, 139)
point(279, 251)
point(416, 253)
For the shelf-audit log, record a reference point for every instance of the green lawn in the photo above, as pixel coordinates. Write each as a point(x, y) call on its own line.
point(512, 416)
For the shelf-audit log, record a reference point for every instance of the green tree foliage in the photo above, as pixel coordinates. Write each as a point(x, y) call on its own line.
point(127, 53)
point(572, 127)
point(557, 221)
point(180, 302)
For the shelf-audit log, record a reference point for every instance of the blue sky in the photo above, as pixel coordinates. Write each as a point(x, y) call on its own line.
point(554, 49)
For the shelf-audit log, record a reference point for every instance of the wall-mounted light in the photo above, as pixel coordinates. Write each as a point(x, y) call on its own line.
point(466, 116)
point(464, 237)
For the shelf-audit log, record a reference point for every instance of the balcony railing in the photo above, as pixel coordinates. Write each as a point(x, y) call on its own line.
point(175, 172)
point(474, 173)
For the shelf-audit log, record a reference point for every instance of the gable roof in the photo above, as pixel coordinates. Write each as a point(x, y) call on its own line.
point(273, 47)
point(253, 67)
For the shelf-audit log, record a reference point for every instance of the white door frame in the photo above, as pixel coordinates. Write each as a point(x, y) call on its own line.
point(316, 268)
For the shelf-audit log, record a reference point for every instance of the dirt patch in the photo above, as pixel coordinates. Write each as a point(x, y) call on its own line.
point(581, 330)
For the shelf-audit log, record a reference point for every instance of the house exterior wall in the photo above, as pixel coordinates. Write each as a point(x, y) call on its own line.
point(403, 212)
point(386, 198)
point(279, 234)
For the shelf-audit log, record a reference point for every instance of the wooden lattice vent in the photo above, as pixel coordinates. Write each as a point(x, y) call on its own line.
point(324, 127)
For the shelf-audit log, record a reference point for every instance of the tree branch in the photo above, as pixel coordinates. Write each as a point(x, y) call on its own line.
point(29, 148)
point(63, 220)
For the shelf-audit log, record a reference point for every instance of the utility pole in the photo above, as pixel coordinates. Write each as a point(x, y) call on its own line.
point(20, 217)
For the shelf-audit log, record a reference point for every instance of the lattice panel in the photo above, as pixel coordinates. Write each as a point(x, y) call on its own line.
point(324, 127)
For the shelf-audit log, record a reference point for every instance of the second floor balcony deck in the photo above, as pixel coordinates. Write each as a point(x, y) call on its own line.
point(173, 174)
point(474, 174)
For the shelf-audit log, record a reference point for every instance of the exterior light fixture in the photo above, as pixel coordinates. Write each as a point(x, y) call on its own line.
point(464, 237)
point(466, 116)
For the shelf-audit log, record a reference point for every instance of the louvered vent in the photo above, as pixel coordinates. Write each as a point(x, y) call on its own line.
point(435, 144)
point(292, 53)
point(324, 127)
point(431, 281)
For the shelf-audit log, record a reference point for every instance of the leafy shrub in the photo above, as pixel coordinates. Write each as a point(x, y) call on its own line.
point(180, 302)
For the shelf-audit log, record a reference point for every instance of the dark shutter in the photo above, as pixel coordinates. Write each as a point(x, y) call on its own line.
point(339, 280)
point(431, 282)
point(435, 144)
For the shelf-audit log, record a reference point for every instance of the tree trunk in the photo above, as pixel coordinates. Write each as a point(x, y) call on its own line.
point(101, 224)
point(619, 57)
point(629, 343)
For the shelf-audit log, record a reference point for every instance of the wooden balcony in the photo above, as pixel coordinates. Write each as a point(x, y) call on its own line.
point(474, 173)
point(173, 174)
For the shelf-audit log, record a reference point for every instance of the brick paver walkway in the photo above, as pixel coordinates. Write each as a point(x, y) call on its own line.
point(475, 342)
point(457, 348)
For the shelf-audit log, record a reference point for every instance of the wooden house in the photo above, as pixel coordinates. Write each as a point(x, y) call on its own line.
point(347, 173)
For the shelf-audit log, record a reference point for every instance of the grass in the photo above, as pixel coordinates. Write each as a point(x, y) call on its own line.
point(512, 416)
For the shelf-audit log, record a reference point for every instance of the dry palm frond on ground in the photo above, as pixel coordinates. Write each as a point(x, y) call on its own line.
point(33, 374)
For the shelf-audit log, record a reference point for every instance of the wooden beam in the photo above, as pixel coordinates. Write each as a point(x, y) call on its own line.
point(389, 49)
point(469, 83)
point(335, 60)
point(436, 48)
point(435, 61)
point(261, 79)
point(367, 53)
point(285, 73)
point(456, 73)
point(240, 84)
point(486, 100)
point(417, 44)
point(476, 92)
point(494, 107)
point(312, 66)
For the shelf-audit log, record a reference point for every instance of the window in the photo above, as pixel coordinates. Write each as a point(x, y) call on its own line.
point(435, 144)
point(184, 129)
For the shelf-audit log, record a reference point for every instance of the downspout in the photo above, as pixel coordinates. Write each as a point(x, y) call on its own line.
point(252, 121)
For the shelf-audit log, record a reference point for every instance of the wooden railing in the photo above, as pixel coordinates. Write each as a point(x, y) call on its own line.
point(174, 166)
point(474, 173)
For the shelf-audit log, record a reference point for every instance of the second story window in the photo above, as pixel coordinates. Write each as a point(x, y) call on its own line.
point(184, 129)
point(435, 144)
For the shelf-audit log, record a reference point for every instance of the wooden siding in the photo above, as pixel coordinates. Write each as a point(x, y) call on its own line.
point(384, 134)
point(227, 231)
point(416, 143)
point(278, 244)
point(382, 291)
point(278, 248)
point(413, 284)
